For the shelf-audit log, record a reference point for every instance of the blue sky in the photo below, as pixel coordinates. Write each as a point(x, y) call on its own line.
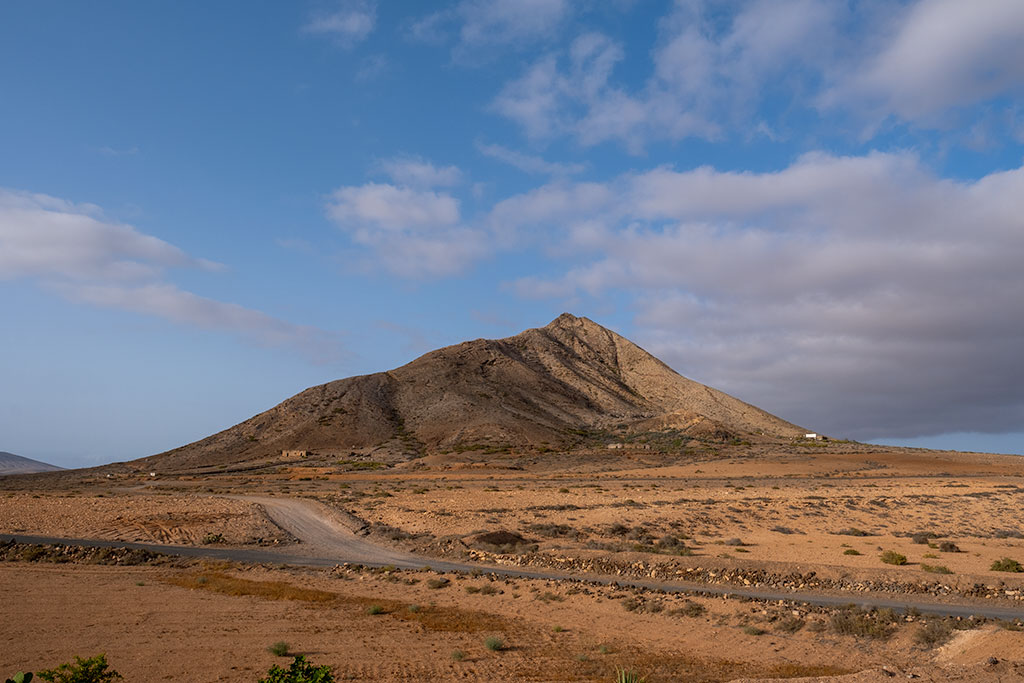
point(205, 208)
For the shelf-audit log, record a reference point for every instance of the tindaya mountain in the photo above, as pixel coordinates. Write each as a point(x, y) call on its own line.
point(551, 387)
point(16, 464)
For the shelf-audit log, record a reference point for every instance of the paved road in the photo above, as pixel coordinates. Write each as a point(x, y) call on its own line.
point(329, 539)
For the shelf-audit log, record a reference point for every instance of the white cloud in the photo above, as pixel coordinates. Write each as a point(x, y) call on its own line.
point(711, 71)
point(381, 206)
point(862, 296)
point(42, 236)
point(527, 162)
point(171, 303)
point(74, 250)
point(351, 23)
point(487, 23)
point(703, 76)
point(942, 54)
point(480, 26)
point(538, 100)
point(416, 172)
point(411, 233)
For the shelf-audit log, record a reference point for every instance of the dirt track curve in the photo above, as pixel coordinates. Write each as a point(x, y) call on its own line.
point(328, 539)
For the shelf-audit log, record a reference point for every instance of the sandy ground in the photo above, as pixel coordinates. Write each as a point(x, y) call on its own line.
point(185, 624)
point(184, 520)
point(829, 509)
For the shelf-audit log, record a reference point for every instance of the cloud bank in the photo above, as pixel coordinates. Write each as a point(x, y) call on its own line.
point(711, 76)
point(74, 250)
point(857, 295)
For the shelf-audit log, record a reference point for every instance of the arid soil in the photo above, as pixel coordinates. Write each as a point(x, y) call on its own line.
point(746, 516)
point(174, 519)
point(216, 623)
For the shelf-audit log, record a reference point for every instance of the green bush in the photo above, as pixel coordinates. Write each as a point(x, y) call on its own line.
point(300, 671)
point(936, 568)
point(1006, 565)
point(851, 551)
point(91, 670)
point(279, 649)
point(494, 643)
point(624, 676)
point(893, 557)
point(20, 677)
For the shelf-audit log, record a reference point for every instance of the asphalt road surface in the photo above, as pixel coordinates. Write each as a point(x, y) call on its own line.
point(328, 538)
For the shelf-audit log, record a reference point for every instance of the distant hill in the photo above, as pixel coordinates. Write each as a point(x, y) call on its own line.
point(570, 383)
point(16, 464)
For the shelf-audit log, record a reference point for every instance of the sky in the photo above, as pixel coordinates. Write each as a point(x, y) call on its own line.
point(814, 205)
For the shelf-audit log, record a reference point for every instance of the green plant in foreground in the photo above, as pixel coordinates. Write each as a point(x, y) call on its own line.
point(20, 677)
point(893, 557)
point(300, 671)
point(1006, 565)
point(91, 670)
point(279, 649)
point(494, 643)
point(628, 676)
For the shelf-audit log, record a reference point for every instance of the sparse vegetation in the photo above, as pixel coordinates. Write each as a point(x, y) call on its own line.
point(689, 609)
point(279, 649)
point(893, 557)
point(855, 622)
point(494, 643)
point(628, 676)
point(300, 671)
point(458, 655)
point(936, 568)
point(853, 531)
point(933, 634)
point(374, 609)
point(851, 551)
point(1005, 564)
point(92, 670)
point(754, 631)
point(791, 625)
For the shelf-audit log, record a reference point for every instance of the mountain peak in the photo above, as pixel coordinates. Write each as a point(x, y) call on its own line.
point(540, 389)
point(570, 320)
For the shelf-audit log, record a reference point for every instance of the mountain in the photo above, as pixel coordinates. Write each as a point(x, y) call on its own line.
point(568, 384)
point(16, 464)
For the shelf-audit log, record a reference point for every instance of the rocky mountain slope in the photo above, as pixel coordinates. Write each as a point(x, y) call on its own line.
point(558, 386)
point(17, 464)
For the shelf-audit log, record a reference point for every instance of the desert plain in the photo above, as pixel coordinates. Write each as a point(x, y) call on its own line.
point(737, 561)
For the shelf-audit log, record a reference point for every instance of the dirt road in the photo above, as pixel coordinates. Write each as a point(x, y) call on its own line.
point(329, 539)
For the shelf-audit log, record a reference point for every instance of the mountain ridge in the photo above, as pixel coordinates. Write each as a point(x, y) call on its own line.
point(535, 390)
point(19, 464)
